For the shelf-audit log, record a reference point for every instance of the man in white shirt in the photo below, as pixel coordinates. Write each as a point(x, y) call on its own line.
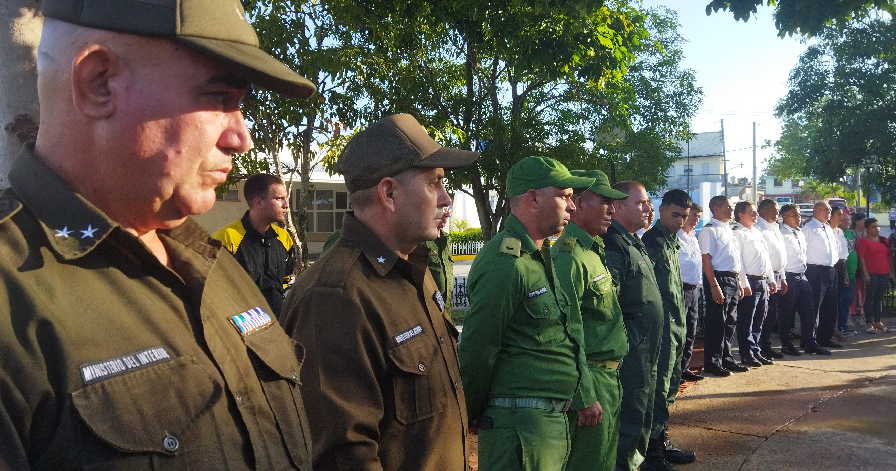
point(691, 261)
point(799, 298)
point(758, 277)
point(842, 280)
point(721, 268)
point(822, 253)
point(774, 240)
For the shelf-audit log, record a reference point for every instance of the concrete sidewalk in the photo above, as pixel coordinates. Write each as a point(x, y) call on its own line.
point(803, 413)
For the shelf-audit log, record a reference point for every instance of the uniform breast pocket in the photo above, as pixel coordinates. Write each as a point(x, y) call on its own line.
point(277, 360)
point(544, 318)
point(596, 302)
point(414, 381)
point(157, 416)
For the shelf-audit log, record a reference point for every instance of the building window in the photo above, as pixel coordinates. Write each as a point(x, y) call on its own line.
point(705, 168)
point(232, 194)
point(327, 209)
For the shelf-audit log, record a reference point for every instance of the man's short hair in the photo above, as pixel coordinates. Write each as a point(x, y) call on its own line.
point(765, 204)
point(626, 186)
point(717, 201)
point(836, 210)
point(257, 186)
point(856, 218)
point(740, 207)
point(788, 208)
point(869, 222)
point(678, 198)
point(696, 207)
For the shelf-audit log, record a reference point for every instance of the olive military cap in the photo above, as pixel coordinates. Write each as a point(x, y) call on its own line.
point(532, 173)
point(391, 146)
point(601, 185)
point(215, 28)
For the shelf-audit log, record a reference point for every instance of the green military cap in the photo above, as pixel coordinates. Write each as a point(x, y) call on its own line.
point(601, 185)
point(532, 173)
point(216, 28)
point(391, 146)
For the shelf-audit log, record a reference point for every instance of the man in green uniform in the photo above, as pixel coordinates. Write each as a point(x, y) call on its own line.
point(661, 242)
point(642, 312)
point(130, 338)
point(381, 380)
point(579, 261)
point(521, 355)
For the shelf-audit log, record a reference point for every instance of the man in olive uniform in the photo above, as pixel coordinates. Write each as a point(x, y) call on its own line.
point(579, 260)
point(521, 356)
point(130, 339)
point(642, 312)
point(381, 377)
point(661, 242)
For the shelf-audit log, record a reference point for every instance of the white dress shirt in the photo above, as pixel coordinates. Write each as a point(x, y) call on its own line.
point(690, 258)
point(842, 243)
point(717, 239)
point(795, 245)
point(821, 246)
point(774, 240)
point(753, 252)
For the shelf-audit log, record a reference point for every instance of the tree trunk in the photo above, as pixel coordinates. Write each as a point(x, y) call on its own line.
point(18, 80)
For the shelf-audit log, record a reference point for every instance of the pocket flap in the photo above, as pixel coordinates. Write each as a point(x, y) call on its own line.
point(148, 410)
point(282, 354)
point(414, 357)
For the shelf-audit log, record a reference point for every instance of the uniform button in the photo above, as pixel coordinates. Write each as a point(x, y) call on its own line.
point(238, 397)
point(421, 366)
point(170, 443)
point(441, 339)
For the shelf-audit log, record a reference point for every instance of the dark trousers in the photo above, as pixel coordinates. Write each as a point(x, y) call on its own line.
point(694, 307)
point(824, 289)
point(720, 322)
point(771, 324)
point(751, 312)
point(874, 297)
point(798, 300)
point(846, 293)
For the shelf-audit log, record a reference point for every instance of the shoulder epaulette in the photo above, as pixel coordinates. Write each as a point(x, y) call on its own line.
point(568, 244)
point(512, 246)
point(9, 205)
point(708, 224)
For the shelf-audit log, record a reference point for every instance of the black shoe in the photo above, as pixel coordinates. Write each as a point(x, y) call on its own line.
point(764, 360)
point(818, 350)
point(753, 363)
point(771, 353)
point(655, 463)
point(716, 371)
point(830, 345)
point(790, 350)
point(677, 456)
point(734, 367)
point(688, 376)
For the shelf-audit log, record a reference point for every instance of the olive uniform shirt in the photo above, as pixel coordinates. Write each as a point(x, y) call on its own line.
point(111, 360)
point(381, 378)
point(579, 261)
point(632, 268)
point(521, 338)
point(663, 248)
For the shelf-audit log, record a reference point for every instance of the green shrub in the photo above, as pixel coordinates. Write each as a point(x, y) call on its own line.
point(470, 235)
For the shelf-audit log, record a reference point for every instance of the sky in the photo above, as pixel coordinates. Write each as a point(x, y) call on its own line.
point(742, 68)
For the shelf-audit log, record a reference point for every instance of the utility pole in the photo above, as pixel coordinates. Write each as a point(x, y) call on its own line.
point(724, 161)
point(688, 172)
point(755, 177)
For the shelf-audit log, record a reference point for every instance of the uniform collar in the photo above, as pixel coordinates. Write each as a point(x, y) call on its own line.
point(514, 227)
point(666, 234)
point(716, 222)
point(765, 225)
point(357, 234)
point(74, 227)
point(632, 239)
point(250, 229)
point(581, 235)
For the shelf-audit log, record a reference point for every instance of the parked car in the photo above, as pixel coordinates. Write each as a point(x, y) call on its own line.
point(782, 200)
point(839, 203)
point(806, 211)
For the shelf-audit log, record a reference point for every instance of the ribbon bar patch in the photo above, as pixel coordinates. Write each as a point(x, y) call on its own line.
point(98, 371)
point(537, 292)
point(599, 277)
point(251, 320)
point(409, 334)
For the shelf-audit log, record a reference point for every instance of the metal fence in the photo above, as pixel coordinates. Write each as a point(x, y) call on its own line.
point(466, 248)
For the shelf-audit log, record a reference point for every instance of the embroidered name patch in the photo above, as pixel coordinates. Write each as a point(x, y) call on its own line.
point(98, 371)
point(409, 334)
point(437, 297)
point(251, 320)
point(537, 292)
point(599, 277)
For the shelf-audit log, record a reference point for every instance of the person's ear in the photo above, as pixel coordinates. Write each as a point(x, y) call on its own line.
point(93, 71)
point(385, 193)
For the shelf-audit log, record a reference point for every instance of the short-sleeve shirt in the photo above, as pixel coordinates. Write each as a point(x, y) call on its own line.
point(717, 239)
point(875, 255)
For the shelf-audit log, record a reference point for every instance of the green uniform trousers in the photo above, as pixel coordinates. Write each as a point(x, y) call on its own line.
point(594, 448)
point(638, 378)
point(523, 440)
point(668, 374)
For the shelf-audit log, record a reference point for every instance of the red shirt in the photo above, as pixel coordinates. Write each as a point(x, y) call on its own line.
point(875, 255)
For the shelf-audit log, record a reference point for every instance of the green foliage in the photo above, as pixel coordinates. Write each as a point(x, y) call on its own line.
point(473, 234)
point(803, 17)
point(459, 225)
point(817, 190)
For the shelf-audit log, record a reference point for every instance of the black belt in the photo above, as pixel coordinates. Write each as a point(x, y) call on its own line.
point(791, 274)
point(756, 277)
point(819, 266)
point(732, 274)
point(689, 286)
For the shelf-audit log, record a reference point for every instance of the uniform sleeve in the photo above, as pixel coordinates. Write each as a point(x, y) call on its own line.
point(707, 241)
point(617, 264)
point(494, 286)
point(742, 280)
point(344, 410)
point(571, 274)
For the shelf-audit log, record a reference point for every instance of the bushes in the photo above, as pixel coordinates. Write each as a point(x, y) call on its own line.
point(473, 234)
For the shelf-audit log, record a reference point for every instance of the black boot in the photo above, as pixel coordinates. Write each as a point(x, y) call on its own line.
point(656, 460)
point(675, 455)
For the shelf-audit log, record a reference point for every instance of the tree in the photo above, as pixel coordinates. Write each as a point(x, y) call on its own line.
point(18, 80)
point(803, 17)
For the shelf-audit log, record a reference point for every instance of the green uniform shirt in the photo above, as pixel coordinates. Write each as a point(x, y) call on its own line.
point(852, 260)
point(111, 360)
point(632, 269)
point(579, 261)
point(381, 380)
point(519, 338)
point(662, 246)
